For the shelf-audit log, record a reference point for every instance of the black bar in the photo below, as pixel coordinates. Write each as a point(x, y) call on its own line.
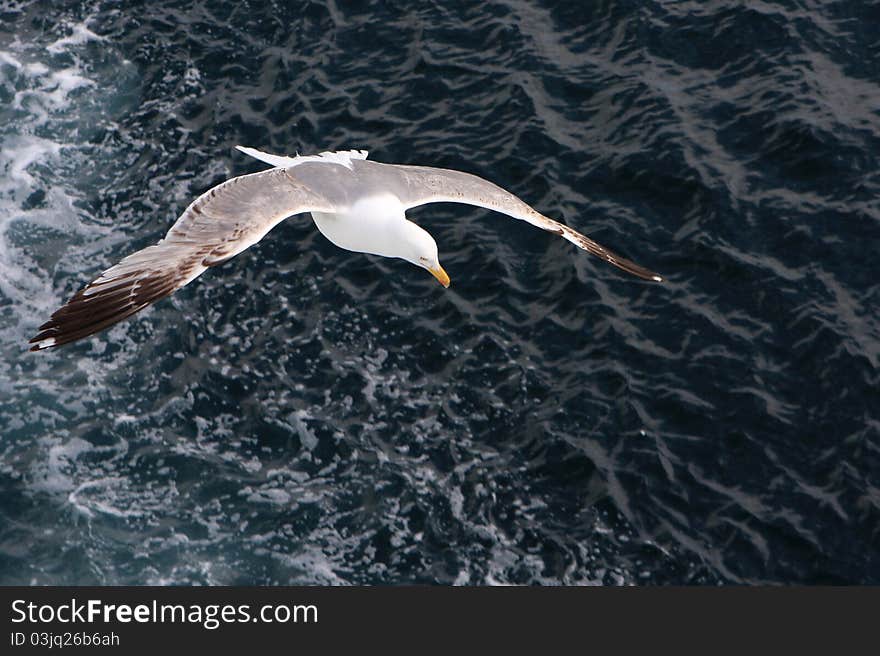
point(415, 618)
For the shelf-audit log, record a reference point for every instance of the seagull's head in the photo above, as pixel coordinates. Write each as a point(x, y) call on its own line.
point(420, 248)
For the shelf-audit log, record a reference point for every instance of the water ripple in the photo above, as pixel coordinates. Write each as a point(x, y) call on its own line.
point(310, 416)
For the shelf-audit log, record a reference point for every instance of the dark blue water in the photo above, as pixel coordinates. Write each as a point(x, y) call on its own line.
point(307, 415)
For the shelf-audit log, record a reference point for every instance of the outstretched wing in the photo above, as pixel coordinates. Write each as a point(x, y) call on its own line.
point(218, 225)
point(425, 184)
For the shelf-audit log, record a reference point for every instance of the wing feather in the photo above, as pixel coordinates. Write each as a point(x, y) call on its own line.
point(425, 184)
point(218, 225)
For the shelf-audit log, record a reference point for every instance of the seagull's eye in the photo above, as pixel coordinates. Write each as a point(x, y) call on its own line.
point(424, 259)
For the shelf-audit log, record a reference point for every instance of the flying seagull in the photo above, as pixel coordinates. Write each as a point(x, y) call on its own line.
point(357, 204)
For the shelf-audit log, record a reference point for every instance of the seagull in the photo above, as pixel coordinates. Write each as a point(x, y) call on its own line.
point(358, 204)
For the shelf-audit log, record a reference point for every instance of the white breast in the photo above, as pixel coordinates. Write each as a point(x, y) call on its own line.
point(370, 226)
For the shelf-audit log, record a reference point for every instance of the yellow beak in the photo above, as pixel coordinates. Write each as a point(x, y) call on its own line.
point(440, 275)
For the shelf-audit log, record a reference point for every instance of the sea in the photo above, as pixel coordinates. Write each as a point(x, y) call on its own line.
point(308, 415)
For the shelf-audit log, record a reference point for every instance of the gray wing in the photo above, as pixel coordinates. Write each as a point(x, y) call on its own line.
point(218, 225)
point(424, 184)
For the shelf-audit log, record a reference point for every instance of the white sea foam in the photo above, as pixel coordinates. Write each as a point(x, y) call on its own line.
point(87, 503)
point(79, 34)
point(54, 474)
point(55, 103)
point(18, 153)
point(6, 58)
point(25, 158)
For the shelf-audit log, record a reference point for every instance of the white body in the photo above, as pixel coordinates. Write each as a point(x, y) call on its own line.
point(365, 227)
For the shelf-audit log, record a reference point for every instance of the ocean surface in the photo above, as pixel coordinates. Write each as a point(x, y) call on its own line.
point(306, 415)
